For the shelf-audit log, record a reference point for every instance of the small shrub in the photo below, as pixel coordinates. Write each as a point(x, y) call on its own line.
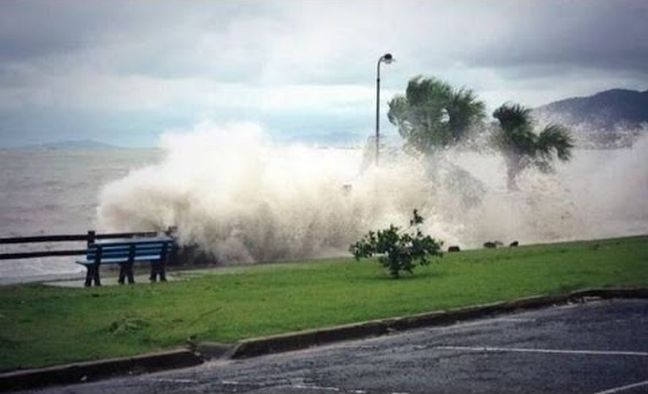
point(398, 250)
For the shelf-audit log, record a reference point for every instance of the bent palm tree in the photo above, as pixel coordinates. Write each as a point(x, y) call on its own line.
point(433, 115)
point(522, 147)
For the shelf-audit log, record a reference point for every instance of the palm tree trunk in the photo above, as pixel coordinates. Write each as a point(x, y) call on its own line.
point(511, 181)
point(513, 168)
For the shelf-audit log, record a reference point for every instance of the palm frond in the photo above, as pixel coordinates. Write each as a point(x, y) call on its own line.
point(398, 107)
point(513, 116)
point(421, 113)
point(556, 137)
point(427, 91)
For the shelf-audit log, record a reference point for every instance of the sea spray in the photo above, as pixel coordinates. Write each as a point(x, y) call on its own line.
point(237, 196)
point(241, 198)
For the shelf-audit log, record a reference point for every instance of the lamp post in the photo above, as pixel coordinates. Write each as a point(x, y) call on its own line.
point(387, 59)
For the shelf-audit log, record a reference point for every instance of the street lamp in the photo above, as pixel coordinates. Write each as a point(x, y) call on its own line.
point(387, 59)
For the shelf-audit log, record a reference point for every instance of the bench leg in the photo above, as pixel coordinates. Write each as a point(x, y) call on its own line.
point(154, 270)
point(157, 270)
point(89, 275)
point(129, 273)
point(122, 273)
point(95, 274)
point(126, 272)
point(162, 272)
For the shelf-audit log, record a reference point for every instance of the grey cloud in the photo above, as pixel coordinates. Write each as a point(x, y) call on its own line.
point(235, 41)
point(157, 38)
point(598, 34)
point(57, 53)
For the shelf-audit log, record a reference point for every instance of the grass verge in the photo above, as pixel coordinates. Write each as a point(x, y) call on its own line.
point(42, 325)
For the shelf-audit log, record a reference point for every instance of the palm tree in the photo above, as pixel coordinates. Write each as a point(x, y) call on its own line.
point(433, 115)
point(523, 148)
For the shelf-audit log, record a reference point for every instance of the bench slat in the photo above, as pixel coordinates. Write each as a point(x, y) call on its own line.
point(120, 260)
point(136, 242)
point(137, 251)
point(128, 245)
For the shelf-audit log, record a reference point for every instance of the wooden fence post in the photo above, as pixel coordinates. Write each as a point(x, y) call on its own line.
point(91, 269)
point(91, 237)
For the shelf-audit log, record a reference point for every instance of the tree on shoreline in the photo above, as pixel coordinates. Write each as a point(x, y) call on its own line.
point(433, 115)
point(522, 147)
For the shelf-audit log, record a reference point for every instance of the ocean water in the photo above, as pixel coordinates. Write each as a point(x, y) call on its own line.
point(56, 192)
point(243, 199)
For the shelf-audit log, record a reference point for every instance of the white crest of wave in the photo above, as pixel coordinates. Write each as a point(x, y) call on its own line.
point(229, 190)
point(241, 198)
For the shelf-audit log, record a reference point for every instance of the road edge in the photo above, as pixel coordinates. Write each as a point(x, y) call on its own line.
point(197, 353)
point(88, 371)
point(308, 338)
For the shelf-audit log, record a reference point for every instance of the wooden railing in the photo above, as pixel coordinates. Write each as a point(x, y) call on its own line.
point(89, 238)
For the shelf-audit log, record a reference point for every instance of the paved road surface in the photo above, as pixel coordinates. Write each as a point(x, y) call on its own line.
point(585, 348)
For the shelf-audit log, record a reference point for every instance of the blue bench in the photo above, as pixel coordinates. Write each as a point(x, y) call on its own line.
point(126, 252)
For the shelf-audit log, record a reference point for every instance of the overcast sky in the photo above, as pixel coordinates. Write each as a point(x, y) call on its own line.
point(123, 72)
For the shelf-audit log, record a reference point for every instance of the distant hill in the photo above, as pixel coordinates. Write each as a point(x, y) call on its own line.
point(608, 110)
point(71, 144)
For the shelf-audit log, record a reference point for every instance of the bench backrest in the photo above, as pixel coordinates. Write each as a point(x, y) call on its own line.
point(135, 249)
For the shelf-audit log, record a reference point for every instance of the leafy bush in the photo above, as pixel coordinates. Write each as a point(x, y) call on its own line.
point(398, 250)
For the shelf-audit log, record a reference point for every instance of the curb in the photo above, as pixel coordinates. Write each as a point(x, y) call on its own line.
point(95, 370)
point(308, 338)
point(181, 358)
point(212, 350)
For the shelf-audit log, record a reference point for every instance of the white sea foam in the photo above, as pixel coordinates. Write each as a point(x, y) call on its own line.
point(240, 197)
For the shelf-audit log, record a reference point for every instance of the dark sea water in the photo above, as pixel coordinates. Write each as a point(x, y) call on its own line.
point(45, 192)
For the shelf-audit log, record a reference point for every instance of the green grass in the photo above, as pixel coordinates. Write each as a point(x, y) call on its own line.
point(42, 325)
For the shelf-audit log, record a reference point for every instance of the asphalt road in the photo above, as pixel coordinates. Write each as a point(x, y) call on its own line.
point(596, 347)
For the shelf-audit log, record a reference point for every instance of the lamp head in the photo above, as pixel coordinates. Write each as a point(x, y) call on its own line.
point(387, 58)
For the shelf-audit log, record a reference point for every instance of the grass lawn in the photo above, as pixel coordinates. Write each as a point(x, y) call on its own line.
point(42, 325)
